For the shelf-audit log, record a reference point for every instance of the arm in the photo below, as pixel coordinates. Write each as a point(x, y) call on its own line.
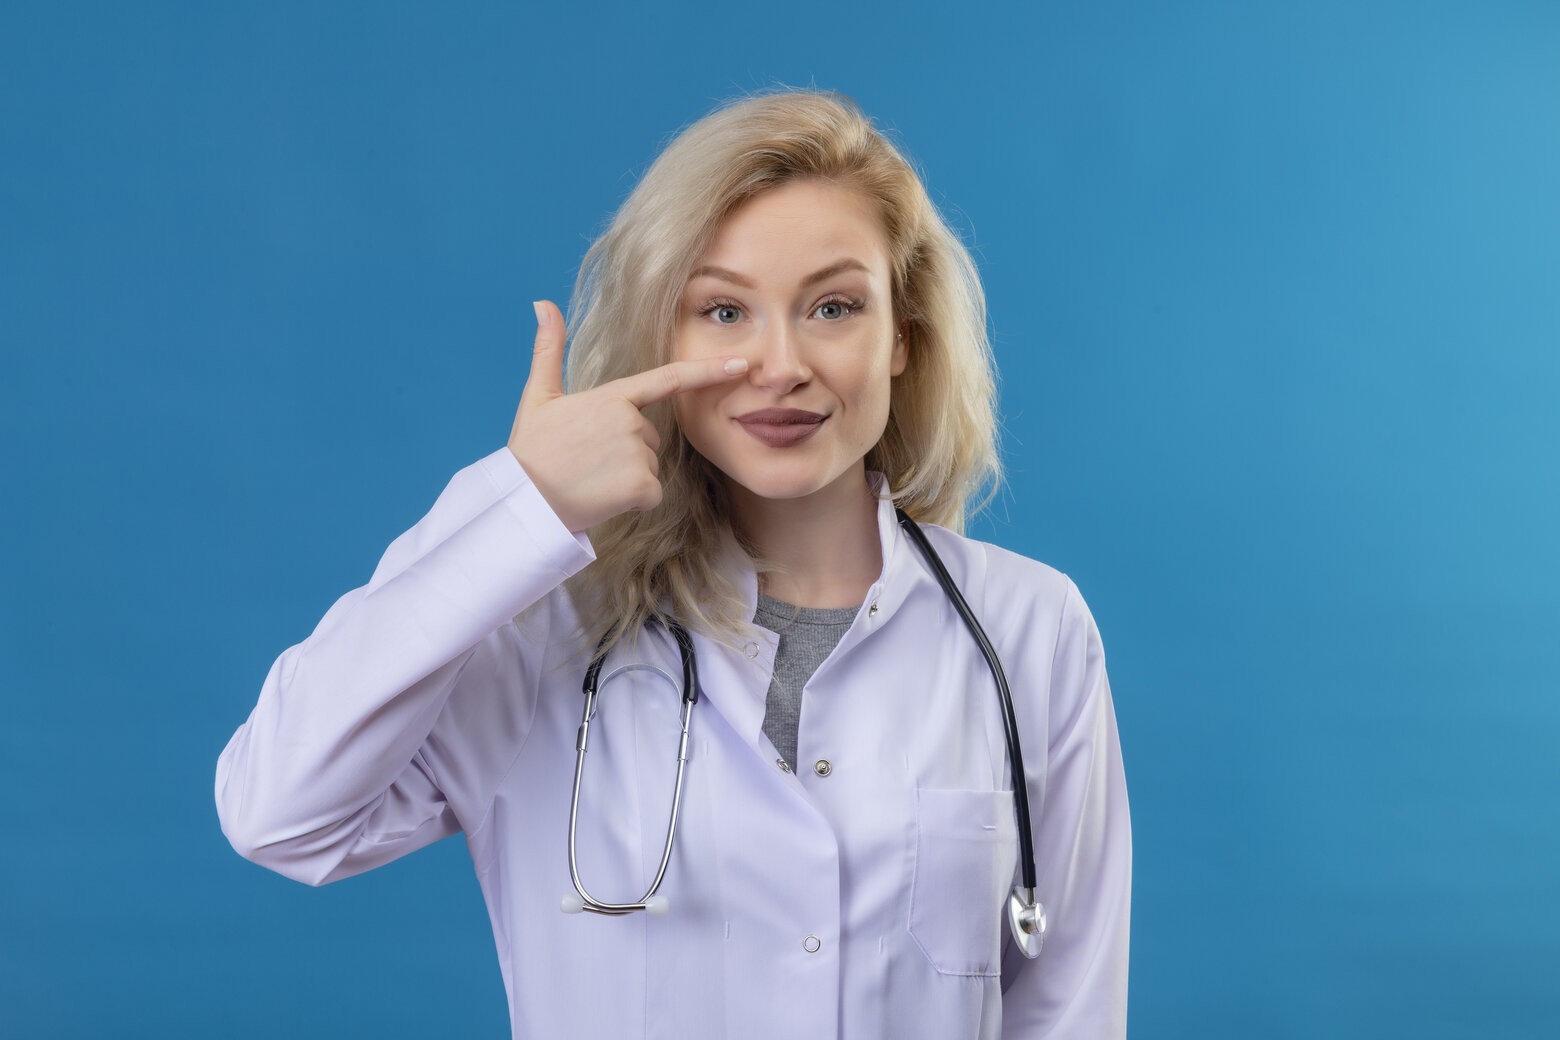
point(367, 743)
point(334, 773)
point(1083, 848)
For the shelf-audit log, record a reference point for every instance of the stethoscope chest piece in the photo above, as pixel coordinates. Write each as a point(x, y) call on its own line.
point(1027, 919)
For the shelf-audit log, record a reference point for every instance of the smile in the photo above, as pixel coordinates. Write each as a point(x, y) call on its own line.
point(781, 427)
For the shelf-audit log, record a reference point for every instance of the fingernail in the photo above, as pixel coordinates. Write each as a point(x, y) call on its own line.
point(541, 313)
point(735, 365)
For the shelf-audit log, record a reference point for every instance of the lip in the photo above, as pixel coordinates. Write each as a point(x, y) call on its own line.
point(781, 427)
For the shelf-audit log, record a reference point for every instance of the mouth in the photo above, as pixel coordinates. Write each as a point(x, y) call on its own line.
point(781, 427)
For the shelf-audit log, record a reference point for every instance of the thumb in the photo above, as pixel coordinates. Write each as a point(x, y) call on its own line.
point(546, 378)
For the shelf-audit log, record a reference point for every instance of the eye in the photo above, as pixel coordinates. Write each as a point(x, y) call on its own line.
point(725, 312)
point(837, 308)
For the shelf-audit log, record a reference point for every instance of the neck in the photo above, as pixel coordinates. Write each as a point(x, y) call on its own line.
point(823, 549)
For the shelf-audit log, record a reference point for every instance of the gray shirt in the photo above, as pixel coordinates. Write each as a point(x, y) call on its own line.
point(807, 636)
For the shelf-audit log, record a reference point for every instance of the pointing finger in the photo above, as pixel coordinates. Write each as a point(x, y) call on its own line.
point(546, 378)
point(679, 377)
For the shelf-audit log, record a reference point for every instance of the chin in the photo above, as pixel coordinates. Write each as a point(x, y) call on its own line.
point(785, 481)
point(777, 490)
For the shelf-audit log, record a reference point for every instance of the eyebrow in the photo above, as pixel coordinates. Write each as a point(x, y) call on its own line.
point(747, 283)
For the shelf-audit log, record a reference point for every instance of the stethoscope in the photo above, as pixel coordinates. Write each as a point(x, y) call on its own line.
point(1026, 916)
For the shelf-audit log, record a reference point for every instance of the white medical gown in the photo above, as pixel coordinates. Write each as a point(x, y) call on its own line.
point(860, 899)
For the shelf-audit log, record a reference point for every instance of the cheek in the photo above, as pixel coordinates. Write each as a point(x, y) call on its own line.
point(681, 350)
point(693, 342)
point(696, 411)
point(682, 412)
point(685, 344)
point(869, 384)
point(875, 396)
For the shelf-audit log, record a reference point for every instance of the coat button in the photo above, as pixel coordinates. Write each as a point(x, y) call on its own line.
point(872, 610)
point(811, 944)
point(751, 650)
point(823, 767)
point(785, 767)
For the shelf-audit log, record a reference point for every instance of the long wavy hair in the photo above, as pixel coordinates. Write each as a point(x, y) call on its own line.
point(938, 451)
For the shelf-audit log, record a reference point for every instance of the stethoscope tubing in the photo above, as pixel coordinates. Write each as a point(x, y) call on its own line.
point(1026, 915)
point(1026, 845)
point(690, 696)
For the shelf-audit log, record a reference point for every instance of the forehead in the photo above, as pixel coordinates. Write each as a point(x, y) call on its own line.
point(798, 228)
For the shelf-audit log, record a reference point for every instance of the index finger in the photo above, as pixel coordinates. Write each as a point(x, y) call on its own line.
point(678, 377)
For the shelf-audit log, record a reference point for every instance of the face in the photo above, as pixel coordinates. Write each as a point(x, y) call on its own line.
point(797, 282)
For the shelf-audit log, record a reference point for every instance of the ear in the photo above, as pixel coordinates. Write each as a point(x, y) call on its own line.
point(901, 353)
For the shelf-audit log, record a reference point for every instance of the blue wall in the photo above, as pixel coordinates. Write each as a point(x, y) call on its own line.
point(1274, 293)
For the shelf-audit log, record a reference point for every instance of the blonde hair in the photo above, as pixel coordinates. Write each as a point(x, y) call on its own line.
point(939, 447)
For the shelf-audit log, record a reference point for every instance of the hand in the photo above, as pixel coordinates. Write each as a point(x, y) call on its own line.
point(592, 455)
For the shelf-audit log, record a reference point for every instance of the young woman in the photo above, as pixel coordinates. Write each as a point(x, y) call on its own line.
point(776, 342)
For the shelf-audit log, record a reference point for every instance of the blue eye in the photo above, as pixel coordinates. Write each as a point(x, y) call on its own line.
point(725, 312)
point(837, 308)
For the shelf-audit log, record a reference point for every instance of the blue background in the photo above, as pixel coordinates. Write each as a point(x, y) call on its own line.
point(1274, 294)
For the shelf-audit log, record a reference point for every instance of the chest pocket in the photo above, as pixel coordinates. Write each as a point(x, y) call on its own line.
point(966, 852)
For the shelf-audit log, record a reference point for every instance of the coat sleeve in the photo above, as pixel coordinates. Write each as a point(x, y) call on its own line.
point(412, 694)
point(1077, 988)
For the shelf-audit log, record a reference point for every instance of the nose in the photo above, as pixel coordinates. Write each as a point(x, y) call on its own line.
point(780, 366)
